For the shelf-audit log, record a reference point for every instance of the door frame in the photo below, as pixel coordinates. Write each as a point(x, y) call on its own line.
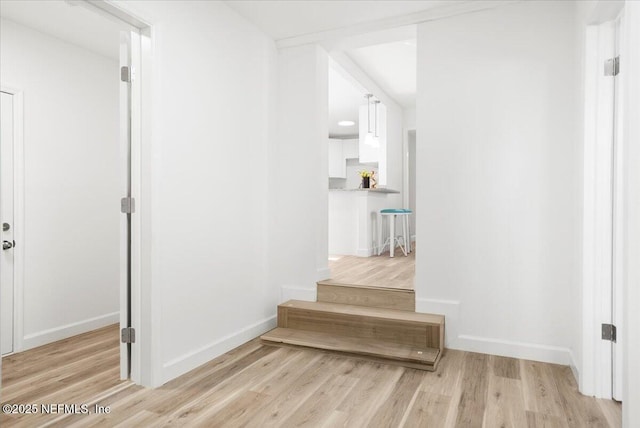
point(143, 303)
point(602, 216)
point(18, 214)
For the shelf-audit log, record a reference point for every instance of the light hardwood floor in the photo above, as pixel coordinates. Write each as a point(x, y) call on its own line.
point(256, 386)
point(375, 271)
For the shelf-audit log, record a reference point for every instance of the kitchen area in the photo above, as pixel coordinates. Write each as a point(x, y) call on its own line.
point(364, 166)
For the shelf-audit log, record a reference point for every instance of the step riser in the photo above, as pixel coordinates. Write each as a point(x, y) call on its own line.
point(388, 330)
point(377, 298)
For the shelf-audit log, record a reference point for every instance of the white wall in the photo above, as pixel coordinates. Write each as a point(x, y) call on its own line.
point(212, 118)
point(71, 150)
point(298, 194)
point(498, 179)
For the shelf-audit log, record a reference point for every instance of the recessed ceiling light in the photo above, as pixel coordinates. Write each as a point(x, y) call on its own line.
point(346, 123)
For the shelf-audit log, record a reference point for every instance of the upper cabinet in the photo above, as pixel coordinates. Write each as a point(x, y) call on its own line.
point(373, 133)
point(337, 162)
point(339, 152)
point(350, 149)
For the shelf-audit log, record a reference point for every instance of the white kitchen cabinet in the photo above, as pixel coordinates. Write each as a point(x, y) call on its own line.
point(337, 162)
point(350, 149)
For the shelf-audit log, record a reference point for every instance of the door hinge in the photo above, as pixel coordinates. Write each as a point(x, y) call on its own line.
point(127, 74)
point(612, 66)
point(609, 332)
point(128, 335)
point(127, 205)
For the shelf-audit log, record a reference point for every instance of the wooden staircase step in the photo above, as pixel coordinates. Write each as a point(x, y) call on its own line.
point(361, 295)
point(386, 325)
point(420, 358)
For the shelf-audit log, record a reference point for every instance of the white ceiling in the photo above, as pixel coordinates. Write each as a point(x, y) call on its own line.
point(392, 66)
point(70, 22)
point(282, 19)
point(388, 57)
point(344, 102)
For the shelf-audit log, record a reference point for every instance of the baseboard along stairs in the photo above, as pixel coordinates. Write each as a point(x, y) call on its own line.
point(372, 322)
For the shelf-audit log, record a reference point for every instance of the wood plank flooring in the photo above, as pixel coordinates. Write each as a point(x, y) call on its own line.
point(375, 271)
point(260, 386)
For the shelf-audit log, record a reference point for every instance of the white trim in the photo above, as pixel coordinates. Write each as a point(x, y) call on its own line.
point(150, 312)
point(573, 364)
point(110, 9)
point(290, 292)
point(433, 14)
point(344, 65)
point(514, 349)
point(58, 333)
point(18, 215)
point(189, 361)
point(595, 376)
point(488, 345)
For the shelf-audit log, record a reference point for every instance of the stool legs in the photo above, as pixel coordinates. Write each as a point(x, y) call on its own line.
point(404, 240)
point(392, 235)
point(404, 235)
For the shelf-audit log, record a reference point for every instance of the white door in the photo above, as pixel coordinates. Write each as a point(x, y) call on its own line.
point(6, 222)
point(617, 223)
point(130, 60)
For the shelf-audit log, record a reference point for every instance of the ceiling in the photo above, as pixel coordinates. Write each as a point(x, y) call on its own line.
point(282, 19)
point(391, 65)
point(344, 102)
point(69, 21)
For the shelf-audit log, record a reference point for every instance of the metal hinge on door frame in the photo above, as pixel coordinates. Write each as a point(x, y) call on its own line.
point(128, 335)
point(127, 74)
point(127, 205)
point(612, 66)
point(609, 332)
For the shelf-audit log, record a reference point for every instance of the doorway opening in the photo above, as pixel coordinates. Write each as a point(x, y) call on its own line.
point(371, 93)
point(73, 260)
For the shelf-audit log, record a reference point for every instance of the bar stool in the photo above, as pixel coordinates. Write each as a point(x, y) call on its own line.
point(406, 219)
point(392, 239)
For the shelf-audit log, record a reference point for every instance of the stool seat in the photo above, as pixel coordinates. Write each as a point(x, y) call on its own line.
point(393, 211)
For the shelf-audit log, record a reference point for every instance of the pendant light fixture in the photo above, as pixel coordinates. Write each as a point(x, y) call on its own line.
point(376, 141)
point(369, 138)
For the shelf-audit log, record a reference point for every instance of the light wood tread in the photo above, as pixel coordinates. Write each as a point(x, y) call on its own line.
point(333, 283)
point(361, 346)
point(364, 311)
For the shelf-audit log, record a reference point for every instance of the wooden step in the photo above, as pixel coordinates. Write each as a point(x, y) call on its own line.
point(385, 325)
point(378, 297)
point(419, 358)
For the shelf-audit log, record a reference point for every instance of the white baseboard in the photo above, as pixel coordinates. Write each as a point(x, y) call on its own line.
point(289, 292)
point(191, 360)
point(58, 333)
point(574, 367)
point(513, 349)
point(487, 345)
point(366, 252)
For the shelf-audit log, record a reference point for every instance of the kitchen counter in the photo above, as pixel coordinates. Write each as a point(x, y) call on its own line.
point(381, 190)
point(354, 220)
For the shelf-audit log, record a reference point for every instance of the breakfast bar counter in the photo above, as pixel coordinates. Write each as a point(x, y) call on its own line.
point(354, 221)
